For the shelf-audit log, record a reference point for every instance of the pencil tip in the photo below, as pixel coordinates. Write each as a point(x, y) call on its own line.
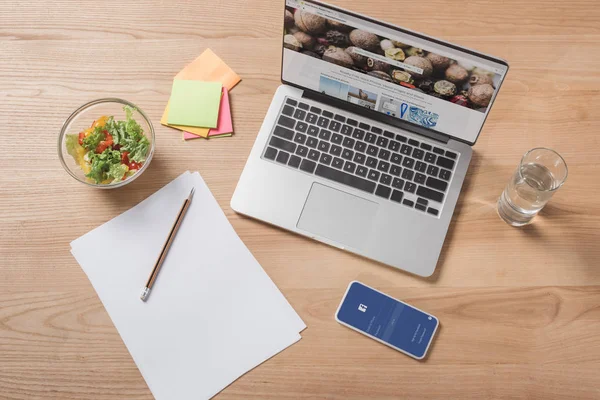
point(191, 193)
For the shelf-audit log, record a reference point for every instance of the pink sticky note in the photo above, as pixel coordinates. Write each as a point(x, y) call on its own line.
point(224, 123)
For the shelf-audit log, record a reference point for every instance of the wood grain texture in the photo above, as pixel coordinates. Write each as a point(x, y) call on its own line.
point(520, 308)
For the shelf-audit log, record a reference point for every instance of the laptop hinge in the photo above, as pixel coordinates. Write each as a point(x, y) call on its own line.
point(379, 117)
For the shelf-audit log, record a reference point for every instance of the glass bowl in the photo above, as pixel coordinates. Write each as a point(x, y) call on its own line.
point(83, 117)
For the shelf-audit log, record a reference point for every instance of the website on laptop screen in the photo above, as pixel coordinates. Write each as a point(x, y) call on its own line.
point(388, 70)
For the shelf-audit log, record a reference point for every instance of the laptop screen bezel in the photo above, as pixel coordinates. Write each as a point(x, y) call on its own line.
point(378, 116)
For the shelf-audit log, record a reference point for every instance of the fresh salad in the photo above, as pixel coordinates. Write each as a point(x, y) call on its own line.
point(110, 151)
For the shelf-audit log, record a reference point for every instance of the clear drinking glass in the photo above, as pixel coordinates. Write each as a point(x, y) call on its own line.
point(539, 174)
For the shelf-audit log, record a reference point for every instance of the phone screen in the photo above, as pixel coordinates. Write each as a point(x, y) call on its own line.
point(388, 320)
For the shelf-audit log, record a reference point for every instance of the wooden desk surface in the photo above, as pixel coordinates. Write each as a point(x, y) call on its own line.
point(519, 308)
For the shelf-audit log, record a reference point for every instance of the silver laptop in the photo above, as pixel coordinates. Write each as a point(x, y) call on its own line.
point(366, 144)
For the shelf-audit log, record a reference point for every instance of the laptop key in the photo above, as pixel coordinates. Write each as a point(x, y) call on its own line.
point(312, 130)
point(430, 194)
point(410, 187)
point(426, 146)
point(308, 166)
point(422, 201)
point(323, 122)
point(283, 132)
point(384, 154)
point(282, 144)
point(340, 118)
point(360, 146)
point(336, 138)
point(301, 126)
point(395, 170)
point(445, 174)
point(398, 183)
point(303, 106)
point(420, 178)
point(327, 114)
point(433, 170)
point(282, 157)
point(408, 174)
point(337, 163)
point(401, 138)
point(288, 110)
point(420, 207)
point(335, 126)
point(394, 146)
point(302, 151)
point(437, 150)
point(378, 131)
point(362, 125)
point(325, 159)
point(300, 138)
point(312, 142)
point(315, 110)
point(436, 184)
point(372, 150)
point(406, 150)
point(294, 161)
point(314, 155)
point(397, 196)
point(345, 178)
point(349, 167)
point(347, 154)
point(385, 179)
point(371, 162)
point(270, 153)
point(323, 146)
point(413, 142)
point(370, 138)
point(362, 171)
point(430, 157)
point(418, 154)
point(358, 134)
point(348, 142)
point(291, 102)
point(312, 118)
point(396, 158)
point(300, 114)
point(382, 141)
point(451, 155)
point(445, 162)
point(352, 122)
point(408, 202)
point(432, 211)
point(286, 121)
point(421, 166)
point(359, 158)
point(383, 191)
point(408, 162)
point(335, 150)
point(347, 130)
point(388, 134)
point(373, 175)
point(383, 166)
point(324, 134)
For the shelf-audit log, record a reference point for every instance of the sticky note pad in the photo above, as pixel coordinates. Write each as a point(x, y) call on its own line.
point(224, 124)
point(195, 130)
point(194, 103)
point(209, 67)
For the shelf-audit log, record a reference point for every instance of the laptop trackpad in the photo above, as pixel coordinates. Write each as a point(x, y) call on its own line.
point(338, 216)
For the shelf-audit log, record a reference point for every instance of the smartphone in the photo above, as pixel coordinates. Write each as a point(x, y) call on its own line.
point(389, 321)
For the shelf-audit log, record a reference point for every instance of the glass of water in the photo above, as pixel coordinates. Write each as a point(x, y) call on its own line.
point(539, 174)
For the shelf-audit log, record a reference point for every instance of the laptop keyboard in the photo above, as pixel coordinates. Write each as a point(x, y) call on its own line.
point(391, 166)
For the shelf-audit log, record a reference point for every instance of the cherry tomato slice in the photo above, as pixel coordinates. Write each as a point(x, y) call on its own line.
point(134, 165)
point(125, 157)
point(81, 136)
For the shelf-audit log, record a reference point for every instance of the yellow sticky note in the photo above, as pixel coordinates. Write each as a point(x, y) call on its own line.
point(207, 67)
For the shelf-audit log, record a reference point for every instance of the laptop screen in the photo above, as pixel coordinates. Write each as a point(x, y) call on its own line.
point(389, 70)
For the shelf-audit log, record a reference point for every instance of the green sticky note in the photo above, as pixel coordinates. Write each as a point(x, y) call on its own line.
point(195, 103)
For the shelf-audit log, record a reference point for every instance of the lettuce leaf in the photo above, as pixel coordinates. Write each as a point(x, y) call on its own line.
point(101, 165)
point(92, 141)
point(117, 172)
point(72, 144)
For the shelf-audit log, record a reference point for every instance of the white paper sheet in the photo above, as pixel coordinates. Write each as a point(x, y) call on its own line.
point(213, 313)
